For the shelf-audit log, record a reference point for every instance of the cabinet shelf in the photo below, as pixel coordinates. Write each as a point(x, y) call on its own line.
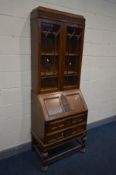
point(49, 54)
point(49, 89)
point(49, 76)
point(70, 87)
point(49, 73)
point(72, 54)
point(70, 73)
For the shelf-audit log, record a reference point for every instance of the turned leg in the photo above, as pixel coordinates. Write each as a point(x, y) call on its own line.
point(44, 167)
point(44, 155)
point(83, 142)
point(32, 143)
point(82, 150)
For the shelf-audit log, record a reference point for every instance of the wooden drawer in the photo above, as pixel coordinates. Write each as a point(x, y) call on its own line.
point(75, 130)
point(65, 123)
point(65, 134)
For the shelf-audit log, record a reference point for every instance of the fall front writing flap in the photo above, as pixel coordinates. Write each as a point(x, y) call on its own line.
point(62, 103)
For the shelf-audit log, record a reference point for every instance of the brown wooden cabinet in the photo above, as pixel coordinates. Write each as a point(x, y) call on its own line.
point(59, 112)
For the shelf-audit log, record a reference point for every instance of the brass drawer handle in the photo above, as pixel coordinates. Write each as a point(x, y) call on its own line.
point(62, 125)
point(62, 134)
point(74, 121)
point(54, 128)
point(51, 140)
point(80, 120)
point(74, 132)
point(81, 130)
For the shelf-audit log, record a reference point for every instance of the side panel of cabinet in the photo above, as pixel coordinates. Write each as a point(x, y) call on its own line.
point(81, 54)
point(35, 52)
point(37, 118)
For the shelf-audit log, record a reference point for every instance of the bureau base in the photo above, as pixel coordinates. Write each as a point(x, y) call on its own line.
point(52, 154)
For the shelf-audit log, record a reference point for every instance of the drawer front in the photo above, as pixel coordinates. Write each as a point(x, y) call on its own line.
point(75, 130)
point(63, 135)
point(65, 123)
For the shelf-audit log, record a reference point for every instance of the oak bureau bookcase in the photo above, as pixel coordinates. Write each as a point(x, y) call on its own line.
point(58, 109)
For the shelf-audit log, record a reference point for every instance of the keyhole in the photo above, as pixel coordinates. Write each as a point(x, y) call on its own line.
point(70, 64)
point(47, 60)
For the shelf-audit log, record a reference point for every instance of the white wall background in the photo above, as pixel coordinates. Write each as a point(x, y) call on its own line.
point(98, 80)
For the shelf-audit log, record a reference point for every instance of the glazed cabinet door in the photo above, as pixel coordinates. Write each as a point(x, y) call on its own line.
point(72, 56)
point(50, 55)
